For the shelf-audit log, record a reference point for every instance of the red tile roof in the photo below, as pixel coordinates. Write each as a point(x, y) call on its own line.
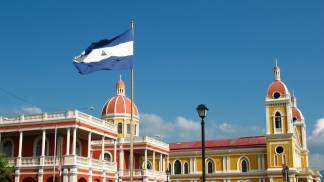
point(243, 142)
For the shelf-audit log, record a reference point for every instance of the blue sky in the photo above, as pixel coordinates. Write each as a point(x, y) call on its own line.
point(219, 53)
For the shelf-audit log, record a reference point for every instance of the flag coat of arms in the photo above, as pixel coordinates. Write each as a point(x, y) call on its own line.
point(107, 54)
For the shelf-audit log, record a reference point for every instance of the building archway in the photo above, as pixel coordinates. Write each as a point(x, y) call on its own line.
point(29, 179)
point(82, 180)
point(50, 179)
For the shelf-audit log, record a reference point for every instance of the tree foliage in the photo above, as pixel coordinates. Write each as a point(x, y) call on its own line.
point(6, 171)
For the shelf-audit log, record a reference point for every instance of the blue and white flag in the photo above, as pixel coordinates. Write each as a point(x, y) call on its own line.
point(113, 54)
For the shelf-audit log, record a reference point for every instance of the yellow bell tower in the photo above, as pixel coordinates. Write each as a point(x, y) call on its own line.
point(280, 131)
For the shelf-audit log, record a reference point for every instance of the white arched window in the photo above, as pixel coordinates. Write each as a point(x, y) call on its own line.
point(177, 167)
point(186, 168)
point(244, 165)
point(38, 142)
point(210, 166)
point(120, 128)
point(8, 148)
point(107, 157)
point(278, 121)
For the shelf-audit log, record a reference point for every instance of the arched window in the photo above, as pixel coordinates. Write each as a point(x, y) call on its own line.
point(278, 120)
point(186, 168)
point(107, 157)
point(177, 167)
point(7, 148)
point(244, 166)
point(210, 167)
point(120, 128)
point(38, 147)
point(128, 129)
point(148, 165)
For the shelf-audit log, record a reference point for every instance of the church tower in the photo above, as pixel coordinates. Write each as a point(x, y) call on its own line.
point(286, 129)
point(280, 144)
point(117, 110)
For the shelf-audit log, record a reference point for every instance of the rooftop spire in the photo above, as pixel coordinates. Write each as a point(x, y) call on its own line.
point(276, 71)
point(293, 100)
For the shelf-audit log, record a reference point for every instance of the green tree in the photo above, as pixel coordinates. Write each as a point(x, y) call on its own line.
point(6, 171)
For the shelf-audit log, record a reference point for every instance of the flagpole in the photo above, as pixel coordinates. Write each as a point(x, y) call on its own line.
point(131, 121)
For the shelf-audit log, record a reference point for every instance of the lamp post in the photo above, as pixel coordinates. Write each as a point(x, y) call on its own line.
point(285, 173)
point(202, 112)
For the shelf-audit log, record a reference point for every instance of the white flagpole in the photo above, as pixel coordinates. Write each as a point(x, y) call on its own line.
point(54, 163)
point(131, 121)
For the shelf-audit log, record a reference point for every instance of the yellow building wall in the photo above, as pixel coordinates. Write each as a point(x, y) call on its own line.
point(219, 162)
point(233, 162)
point(288, 146)
point(253, 161)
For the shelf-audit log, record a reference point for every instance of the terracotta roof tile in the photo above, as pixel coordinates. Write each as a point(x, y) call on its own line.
point(243, 142)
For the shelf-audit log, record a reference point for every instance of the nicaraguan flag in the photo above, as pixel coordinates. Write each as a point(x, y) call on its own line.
point(113, 54)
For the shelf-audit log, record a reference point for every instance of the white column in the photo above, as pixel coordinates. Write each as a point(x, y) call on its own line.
point(20, 144)
point(160, 163)
point(65, 175)
point(74, 141)
point(259, 162)
point(115, 151)
point(17, 171)
point(153, 158)
point(103, 148)
point(68, 141)
point(195, 165)
point(43, 143)
point(121, 159)
point(191, 166)
point(224, 163)
point(145, 159)
point(168, 163)
point(89, 145)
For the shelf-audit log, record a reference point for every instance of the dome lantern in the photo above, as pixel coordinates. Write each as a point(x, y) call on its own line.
point(120, 87)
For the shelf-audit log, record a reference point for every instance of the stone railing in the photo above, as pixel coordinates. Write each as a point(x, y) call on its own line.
point(66, 160)
point(146, 139)
point(54, 116)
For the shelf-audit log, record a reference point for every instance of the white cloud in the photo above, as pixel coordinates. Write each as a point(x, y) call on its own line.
point(316, 145)
point(30, 110)
point(317, 160)
point(184, 129)
point(20, 110)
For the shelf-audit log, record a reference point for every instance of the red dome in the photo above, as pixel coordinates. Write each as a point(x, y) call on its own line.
point(277, 86)
point(297, 114)
point(119, 105)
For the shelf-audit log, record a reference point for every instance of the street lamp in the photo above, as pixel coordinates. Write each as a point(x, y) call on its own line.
point(202, 112)
point(285, 173)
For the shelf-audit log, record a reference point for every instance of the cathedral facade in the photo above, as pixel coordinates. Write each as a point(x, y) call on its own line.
point(72, 146)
